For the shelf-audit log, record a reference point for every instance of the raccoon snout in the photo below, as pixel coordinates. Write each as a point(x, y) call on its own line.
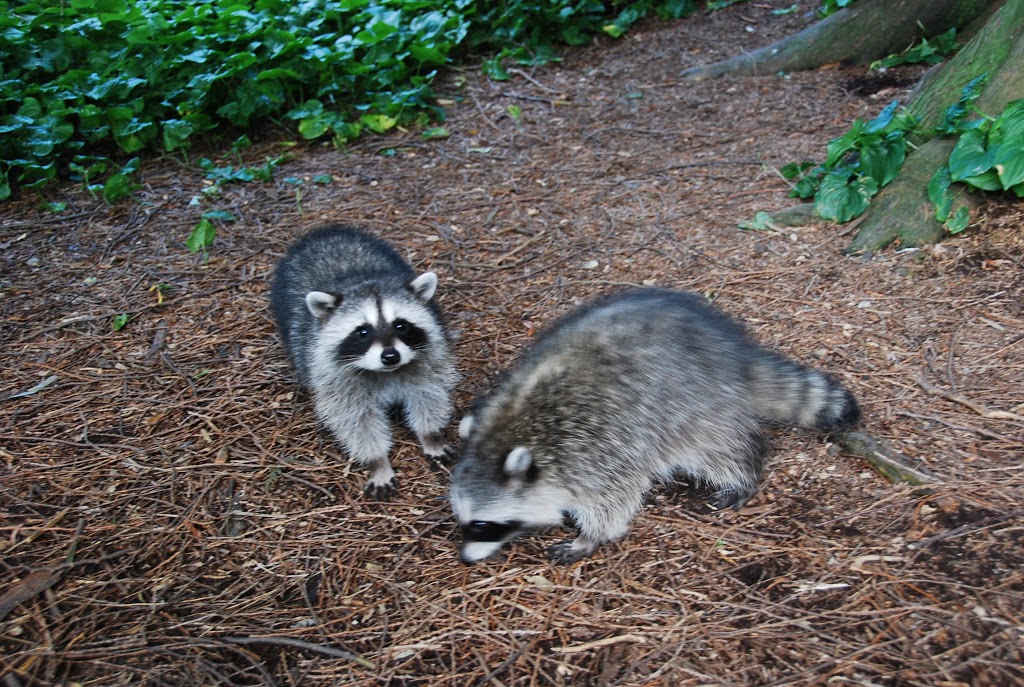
point(389, 356)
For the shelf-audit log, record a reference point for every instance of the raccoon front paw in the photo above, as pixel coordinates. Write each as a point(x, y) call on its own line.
point(434, 446)
point(381, 492)
point(569, 552)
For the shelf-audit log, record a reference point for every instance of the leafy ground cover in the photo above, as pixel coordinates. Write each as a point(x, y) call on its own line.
point(82, 80)
point(988, 156)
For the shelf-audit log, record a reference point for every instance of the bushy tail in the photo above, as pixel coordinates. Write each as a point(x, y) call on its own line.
point(785, 391)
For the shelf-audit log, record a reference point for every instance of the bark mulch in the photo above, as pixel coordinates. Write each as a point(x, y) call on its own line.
point(172, 514)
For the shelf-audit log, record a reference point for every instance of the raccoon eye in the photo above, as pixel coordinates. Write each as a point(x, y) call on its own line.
point(399, 326)
point(363, 332)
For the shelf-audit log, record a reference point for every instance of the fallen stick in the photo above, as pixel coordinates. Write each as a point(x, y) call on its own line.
point(887, 461)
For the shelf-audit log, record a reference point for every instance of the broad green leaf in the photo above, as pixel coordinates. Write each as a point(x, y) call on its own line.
point(222, 215)
point(176, 133)
point(881, 159)
point(120, 321)
point(493, 69)
point(986, 181)
point(969, 156)
point(314, 127)
point(959, 221)
point(307, 110)
point(806, 187)
point(378, 123)
point(840, 198)
point(762, 222)
point(435, 132)
point(1009, 125)
point(202, 236)
point(1009, 163)
point(880, 122)
point(839, 147)
point(939, 195)
point(118, 186)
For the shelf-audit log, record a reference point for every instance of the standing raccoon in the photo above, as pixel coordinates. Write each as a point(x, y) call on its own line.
point(621, 393)
point(364, 335)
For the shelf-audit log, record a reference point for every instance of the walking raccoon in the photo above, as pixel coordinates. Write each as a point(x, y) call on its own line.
point(621, 393)
point(364, 335)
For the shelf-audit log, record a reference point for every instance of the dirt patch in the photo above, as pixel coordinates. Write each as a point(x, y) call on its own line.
point(190, 524)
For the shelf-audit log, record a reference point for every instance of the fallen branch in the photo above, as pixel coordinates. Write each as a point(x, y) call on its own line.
point(886, 460)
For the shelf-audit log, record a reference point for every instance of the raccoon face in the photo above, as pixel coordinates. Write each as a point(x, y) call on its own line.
point(493, 509)
point(378, 333)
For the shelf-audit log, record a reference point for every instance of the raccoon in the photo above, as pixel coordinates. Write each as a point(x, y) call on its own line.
point(364, 335)
point(619, 394)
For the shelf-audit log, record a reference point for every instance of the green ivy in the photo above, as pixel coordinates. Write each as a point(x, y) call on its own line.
point(84, 81)
point(926, 52)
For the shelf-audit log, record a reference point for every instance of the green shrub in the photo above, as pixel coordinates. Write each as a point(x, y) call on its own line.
point(83, 80)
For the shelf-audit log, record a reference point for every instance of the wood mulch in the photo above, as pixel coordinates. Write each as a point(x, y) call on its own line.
point(172, 514)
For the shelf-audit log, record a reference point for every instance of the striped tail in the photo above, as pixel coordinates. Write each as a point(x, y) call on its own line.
point(785, 391)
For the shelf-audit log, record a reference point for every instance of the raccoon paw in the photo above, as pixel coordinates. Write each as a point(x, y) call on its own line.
point(434, 446)
point(569, 552)
point(381, 492)
point(730, 497)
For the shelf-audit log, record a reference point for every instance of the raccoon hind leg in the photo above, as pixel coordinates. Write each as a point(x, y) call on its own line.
point(427, 412)
point(738, 484)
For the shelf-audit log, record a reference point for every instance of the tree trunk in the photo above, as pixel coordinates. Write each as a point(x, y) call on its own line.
point(902, 211)
point(863, 32)
point(988, 51)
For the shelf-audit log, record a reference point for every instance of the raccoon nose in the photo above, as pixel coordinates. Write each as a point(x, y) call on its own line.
point(390, 356)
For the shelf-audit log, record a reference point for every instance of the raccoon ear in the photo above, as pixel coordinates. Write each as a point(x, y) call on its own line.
point(423, 286)
point(518, 461)
point(321, 304)
point(466, 426)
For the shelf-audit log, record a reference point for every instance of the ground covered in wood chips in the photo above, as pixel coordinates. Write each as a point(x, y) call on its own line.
point(172, 514)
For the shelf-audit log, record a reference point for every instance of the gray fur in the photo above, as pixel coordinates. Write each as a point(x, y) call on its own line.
point(333, 281)
point(618, 395)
